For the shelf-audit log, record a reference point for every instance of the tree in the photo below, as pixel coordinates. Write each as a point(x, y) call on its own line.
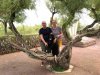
point(67, 8)
point(8, 7)
point(20, 17)
point(94, 7)
point(51, 6)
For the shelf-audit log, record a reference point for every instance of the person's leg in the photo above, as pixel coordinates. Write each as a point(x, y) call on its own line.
point(42, 46)
point(55, 49)
point(48, 49)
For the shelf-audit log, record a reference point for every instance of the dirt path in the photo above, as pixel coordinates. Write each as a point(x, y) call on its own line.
point(85, 61)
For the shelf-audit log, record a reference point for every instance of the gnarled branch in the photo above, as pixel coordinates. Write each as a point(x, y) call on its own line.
point(94, 22)
point(79, 37)
point(34, 54)
point(53, 13)
point(91, 25)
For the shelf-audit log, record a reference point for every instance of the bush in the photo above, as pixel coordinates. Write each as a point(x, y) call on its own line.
point(5, 47)
point(23, 30)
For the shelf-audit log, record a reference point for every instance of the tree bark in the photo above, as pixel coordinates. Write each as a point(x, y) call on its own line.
point(63, 58)
point(53, 13)
point(12, 27)
point(24, 48)
point(65, 55)
point(5, 25)
point(94, 22)
point(91, 25)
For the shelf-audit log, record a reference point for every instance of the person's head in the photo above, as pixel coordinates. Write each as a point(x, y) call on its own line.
point(43, 24)
point(54, 23)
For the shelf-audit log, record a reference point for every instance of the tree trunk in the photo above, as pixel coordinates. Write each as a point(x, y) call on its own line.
point(4, 22)
point(64, 57)
point(53, 13)
point(5, 27)
point(16, 33)
point(51, 19)
point(12, 27)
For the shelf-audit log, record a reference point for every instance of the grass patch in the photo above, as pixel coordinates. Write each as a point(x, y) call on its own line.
point(58, 68)
point(22, 29)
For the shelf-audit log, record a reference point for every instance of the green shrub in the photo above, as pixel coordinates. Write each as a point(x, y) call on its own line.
point(58, 68)
point(23, 29)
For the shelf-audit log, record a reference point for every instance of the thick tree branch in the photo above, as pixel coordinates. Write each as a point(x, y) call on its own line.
point(65, 28)
point(5, 26)
point(66, 53)
point(53, 13)
point(65, 56)
point(64, 49)
point(25, 48)
point(90, 26)
point(4, 22)
point(94, 12)
point(94, 22)
point(78, 38)
point(12, 27)
point(34, 54)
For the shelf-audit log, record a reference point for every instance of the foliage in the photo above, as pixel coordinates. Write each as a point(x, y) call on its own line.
point(7, 7)
point(13, 10)
point(23, 29)
point(20, 17)
point(1, 30)
point(6, 47)
point(58, 68)
point(80, 26)
point(69, 8)
point(96, 6)
point(28, 29)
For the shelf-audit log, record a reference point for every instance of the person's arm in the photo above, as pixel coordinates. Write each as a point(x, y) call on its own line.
point(60, 34)
point(41, 37)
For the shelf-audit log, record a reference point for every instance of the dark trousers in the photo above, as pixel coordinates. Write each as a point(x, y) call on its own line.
point(45, 48)
point(55, 49)
point(51, 48)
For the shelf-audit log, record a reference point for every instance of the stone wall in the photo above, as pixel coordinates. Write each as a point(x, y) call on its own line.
point(31, 40)
point(6, 47)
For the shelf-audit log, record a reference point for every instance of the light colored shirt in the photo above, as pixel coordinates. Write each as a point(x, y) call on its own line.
point(56, 31)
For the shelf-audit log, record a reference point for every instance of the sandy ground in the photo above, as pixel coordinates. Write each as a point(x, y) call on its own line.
point(85, 61)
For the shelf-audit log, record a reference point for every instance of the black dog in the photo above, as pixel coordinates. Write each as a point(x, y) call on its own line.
point(53, 46)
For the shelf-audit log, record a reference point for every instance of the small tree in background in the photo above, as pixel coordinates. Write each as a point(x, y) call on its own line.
point(11, 11)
